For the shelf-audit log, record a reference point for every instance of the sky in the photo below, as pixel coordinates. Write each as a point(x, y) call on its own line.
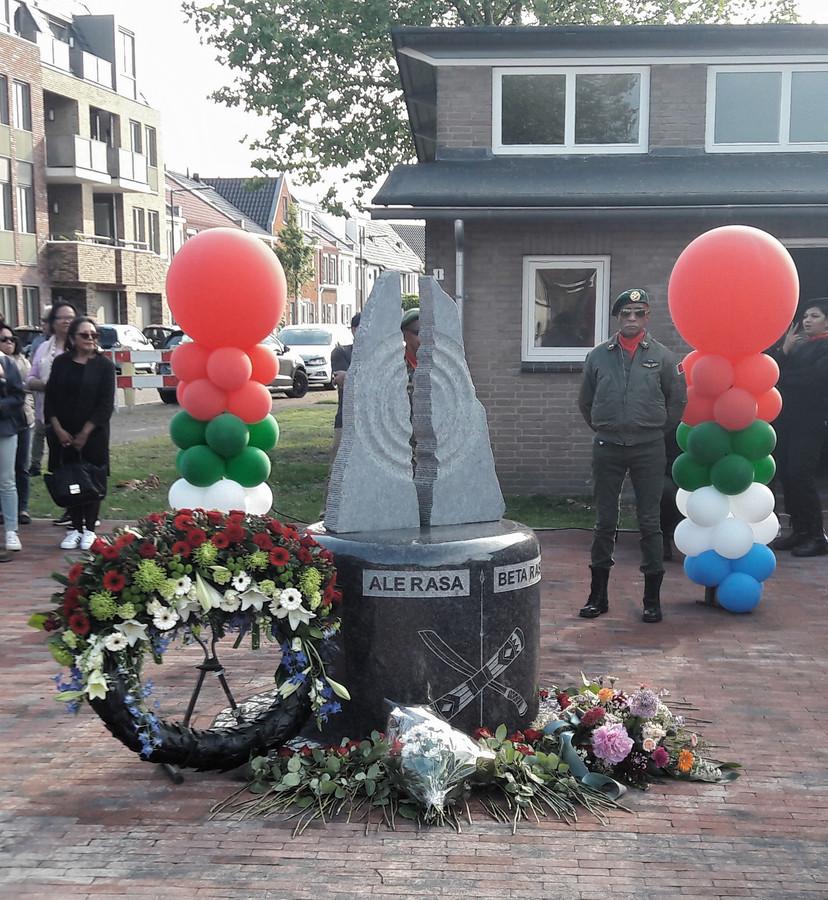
point(176, 75)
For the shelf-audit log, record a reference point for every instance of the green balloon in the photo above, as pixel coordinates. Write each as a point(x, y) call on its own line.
point(682, 434)
point(732, 474)
point(250, 467)
point(754, 442)
point(186, 431)
point(708, 443)
point(764, 470)
point(178, 459)
point(690, 474)
point(201, 466)
point(264, 434)
point(226, 435)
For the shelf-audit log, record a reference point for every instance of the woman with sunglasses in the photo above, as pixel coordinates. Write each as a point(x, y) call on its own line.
point(10, 345)
point(12, 423)
point(80, 398)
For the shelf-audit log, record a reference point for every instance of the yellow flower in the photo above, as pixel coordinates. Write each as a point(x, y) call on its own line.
point(606, 694)
point(685, 761)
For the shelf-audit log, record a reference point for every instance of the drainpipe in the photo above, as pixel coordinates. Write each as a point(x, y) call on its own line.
point(459, 274)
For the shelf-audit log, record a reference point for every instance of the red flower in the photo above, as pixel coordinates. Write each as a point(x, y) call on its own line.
point(329, 595)
point(147, 550)
point(307, 541)
point(214, 517)
point(236, 515)
point(109, 552)
point(234, 532)
point(155, 518)
point(196, 537)
point(114, 581)
point(51, 624)
point(124, 540)
point(182, 548)
point(263, 541)
point(532, 735)
point(563, 700)
point(516, 737)
point(543, 693)
point(592, 717)
point(305, 556)
point(285, 752)
point(524, 749)
point(79, 623)
point(275, 526)
point(482, 733)
point(326, 555)
point(290, 533)
point(306, 751)
point(183, 521)
point(71, 600)
point(75, 573)
point(220, 540)
point(279, 556)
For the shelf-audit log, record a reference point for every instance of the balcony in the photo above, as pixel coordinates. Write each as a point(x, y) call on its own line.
point(98, 260)
point(128, 170)
point(53, 52)
point(71, 159)
point(93, 68)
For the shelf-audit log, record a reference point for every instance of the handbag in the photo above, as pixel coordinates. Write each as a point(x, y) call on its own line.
point(76, 483)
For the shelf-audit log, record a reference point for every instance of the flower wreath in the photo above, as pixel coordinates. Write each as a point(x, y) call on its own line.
point(174, 575)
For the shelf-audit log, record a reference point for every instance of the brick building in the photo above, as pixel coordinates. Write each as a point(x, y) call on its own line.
point(560, 166)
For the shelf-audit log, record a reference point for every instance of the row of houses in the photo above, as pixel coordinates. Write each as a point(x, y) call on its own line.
point(88, 211)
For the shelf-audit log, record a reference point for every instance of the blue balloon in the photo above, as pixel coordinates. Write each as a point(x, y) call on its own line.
point(759, 562)
point(739, 593)
point(707, 568)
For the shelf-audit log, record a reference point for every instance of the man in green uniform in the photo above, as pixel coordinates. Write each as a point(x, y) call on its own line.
point(631, 395)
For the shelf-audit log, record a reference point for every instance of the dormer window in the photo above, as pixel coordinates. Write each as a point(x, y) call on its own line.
point(540, 110)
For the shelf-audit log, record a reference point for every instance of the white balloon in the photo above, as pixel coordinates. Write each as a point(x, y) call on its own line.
point(707, 507)
point(258, 500)
point(766, 530)
point(184, 495)
point(681, 501)
point(753, 505)
point(692, 539)
point(224, 495)
point(732, 538)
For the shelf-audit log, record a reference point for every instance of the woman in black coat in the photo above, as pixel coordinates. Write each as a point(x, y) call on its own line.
point(80, 398)
point(801, 428)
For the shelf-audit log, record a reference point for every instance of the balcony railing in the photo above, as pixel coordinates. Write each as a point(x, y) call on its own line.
point(93, 68)
point(71, 151)
point(54, 52)
point(127, 165)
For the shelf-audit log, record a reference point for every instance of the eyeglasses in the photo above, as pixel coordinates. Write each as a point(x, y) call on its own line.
point(6, 340)
point(632, 313)
point(92, 335)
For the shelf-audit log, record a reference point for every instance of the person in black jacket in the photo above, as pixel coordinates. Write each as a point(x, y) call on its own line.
point(80, 398)
point(801, 428)
point(12, 422)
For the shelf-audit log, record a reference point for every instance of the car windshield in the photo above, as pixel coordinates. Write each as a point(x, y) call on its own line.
point(107, 337)
point(175, 339)
point(306, 336)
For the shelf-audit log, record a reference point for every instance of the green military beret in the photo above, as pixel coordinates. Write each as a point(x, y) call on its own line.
point(411, 315)
point(634, 295)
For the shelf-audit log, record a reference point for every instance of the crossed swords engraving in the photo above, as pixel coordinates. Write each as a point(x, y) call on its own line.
point(477, 680)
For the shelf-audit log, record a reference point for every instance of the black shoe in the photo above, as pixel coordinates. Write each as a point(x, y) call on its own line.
point(64, 520)
point(794, 539)
point(34, 473)
point(817, 546)
point(24, 518)
point(652, 597)
point(598, 602)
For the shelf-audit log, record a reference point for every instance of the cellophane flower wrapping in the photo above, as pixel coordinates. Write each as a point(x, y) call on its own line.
point(430, 759)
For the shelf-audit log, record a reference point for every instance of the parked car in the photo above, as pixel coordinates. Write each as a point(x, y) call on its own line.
point(125, 337)
point(158, 335)
point(314, 344)
point(168, 395)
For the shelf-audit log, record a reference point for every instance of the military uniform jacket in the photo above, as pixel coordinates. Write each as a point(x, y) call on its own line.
point(631, 401)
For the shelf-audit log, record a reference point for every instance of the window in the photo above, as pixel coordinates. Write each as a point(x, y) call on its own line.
point(25, 197)
point(583, 110)
point(4, 100)
point(6, 217)
point(139, 227)
point(768, 108)
point(31, 305)
point(5, 15)
point(305, 219)
point(22, 105)
point(153, 231)
point(324, 279)
point(8, 304)
point(127, 53)
point(136, 136)
point(565, 307)
point(151, 144)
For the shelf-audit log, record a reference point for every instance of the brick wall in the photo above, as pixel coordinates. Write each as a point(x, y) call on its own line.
point(677, 105)
point(464, 108)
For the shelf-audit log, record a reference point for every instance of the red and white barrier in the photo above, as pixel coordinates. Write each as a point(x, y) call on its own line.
point(130, 380)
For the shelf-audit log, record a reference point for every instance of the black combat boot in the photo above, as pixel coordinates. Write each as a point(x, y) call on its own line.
point(598, 601)
point(791, 542)
point(652, 597)
point(816, 545)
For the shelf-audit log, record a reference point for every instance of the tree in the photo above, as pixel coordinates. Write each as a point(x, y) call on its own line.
point(295, 254)
point(323, 71)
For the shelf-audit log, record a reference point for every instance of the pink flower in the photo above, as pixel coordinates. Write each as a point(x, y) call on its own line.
point(660, 757)
point(611, 743)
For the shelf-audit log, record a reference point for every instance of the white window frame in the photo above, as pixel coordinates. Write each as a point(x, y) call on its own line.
point(783, 145)
point(569, 146)
point(531, 264)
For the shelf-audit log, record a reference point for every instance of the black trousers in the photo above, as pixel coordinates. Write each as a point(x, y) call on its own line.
point(798, 449)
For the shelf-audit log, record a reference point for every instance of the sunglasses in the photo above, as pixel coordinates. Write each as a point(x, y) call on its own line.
point(633, 313)
point(92, 335)
point(6, 340)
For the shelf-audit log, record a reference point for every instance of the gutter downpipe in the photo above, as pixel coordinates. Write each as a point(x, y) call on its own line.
point(459, 267)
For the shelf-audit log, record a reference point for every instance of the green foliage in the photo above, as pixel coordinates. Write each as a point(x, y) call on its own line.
point(324, 72)
point(295, 254)
point(410, 301)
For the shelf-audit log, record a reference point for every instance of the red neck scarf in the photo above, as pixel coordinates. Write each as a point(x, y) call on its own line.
point(819, 337)
point(631, 344)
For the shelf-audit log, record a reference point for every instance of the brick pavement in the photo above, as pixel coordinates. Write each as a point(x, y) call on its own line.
point(81, 817)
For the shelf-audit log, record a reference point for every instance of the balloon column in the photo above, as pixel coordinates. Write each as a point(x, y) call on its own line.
point(732, 293)
point(227, 292)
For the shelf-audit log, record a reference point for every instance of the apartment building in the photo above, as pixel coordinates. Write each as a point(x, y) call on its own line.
point(84, 156)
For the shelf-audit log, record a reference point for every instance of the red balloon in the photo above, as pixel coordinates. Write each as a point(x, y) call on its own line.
point(769, 405)
point(265, 363)
point(757, 373)
point(229, 368)
point(250, 403)
point(226, 288)
point(688, 364)
point(733, 291)
point(735, 409)
point(712, 375)
point(699, 408)
point(203, 400)
point(179, 392)
point(189, 361)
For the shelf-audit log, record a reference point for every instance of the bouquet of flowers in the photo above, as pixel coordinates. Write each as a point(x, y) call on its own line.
point(176, 573)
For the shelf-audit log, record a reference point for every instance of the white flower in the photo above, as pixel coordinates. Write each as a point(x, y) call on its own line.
point(165, 619)
point(185, 606)
point(241, 581)
point(96, 686)
point(653, 732)
point(208, 596)
point(296, 644)
point(94, 658)
point(289, 605)
point(649, 745)
point(230, 601)
point(183, 585)
point(290, 598)
point(154, 607)
point(115, 642)
point(253, 598)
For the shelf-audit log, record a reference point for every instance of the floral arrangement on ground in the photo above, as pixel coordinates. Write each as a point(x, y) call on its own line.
point(182, 574)
point(586, 746)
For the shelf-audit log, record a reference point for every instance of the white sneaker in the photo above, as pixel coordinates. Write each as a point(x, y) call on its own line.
point(87, 539)
point(13, 541)
point(71, 541)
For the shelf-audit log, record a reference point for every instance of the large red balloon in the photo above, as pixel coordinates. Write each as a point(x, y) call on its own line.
point(733, 291)
point(251, 403)
point(229, 368)
point(757, 373)
point(189, 361)
point(735, 409)
point(698, 409)
point(712, 375)
point(265, 363)
point(226, 288)
point(769, 405)
point(203, 400)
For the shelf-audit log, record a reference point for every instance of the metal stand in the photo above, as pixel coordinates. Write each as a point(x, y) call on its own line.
point(709, 598)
